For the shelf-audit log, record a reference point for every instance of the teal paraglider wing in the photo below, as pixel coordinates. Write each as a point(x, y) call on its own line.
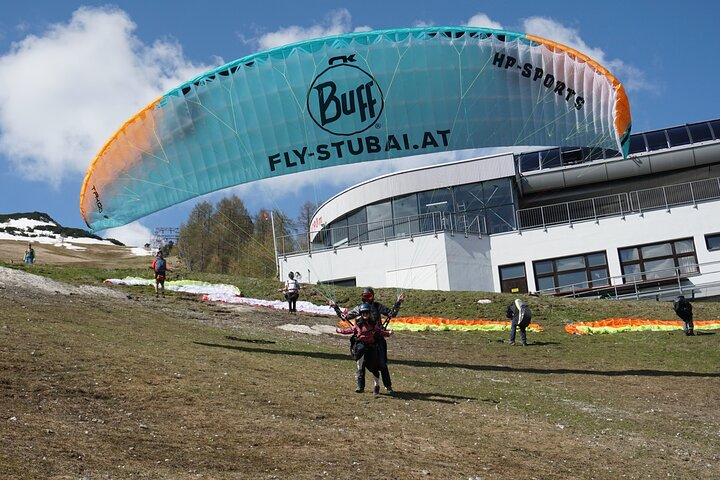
point(350, 98)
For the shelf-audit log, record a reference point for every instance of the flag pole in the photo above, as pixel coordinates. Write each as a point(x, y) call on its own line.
point(277, 259)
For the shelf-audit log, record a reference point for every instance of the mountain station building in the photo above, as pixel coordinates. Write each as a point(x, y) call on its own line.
point(562, 221)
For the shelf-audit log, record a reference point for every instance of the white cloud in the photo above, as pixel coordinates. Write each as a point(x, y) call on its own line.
point(133, 234)
point(66, 91)
point(336, 23)
point(482, 20)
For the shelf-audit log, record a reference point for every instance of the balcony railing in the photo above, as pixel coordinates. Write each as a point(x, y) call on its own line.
point(381, 232)
point(653, 284)
point(639, 201)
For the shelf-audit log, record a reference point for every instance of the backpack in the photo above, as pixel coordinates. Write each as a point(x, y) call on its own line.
point(160, 266)
point(524, 313)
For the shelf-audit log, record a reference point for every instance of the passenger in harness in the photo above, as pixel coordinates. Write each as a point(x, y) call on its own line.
point(364, 347)
point(378, 311)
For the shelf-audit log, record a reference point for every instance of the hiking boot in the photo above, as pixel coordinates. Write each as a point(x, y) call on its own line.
point(376, 390)
point(359, 390)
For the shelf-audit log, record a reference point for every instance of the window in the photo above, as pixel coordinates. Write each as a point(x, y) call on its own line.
point(700, 132)
point(656, 140)
point(573, 273)
point(550, 158)
point(571, 155)
point(715, 124)
point(712, 241)
point(678, 136)
point(658, 260)
point(529, 162)
point(512, 278)
point(637, 143)
point(405, 211)
point(357, 227)
point(379, 217)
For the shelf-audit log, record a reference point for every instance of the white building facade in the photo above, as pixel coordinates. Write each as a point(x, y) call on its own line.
point(559, 221)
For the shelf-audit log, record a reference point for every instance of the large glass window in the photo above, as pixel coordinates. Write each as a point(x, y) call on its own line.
point(439, 200)
point(497, 192)
point(469, 198)
point(658, 260)
point(578, 272)
point(405, 211)
point(357, 227)
point(380, 225)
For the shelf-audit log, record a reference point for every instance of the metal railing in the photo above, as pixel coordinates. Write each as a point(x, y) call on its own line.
point(381, 232)
point(619, 205)
point(638, 285)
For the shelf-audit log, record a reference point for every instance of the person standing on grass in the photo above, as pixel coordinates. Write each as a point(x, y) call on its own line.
point(292, 292)
point(29, 257)
point(159, 266)
point(519, 314)
point(683, 309)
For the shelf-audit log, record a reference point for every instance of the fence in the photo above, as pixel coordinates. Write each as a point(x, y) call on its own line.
point(593, 209)
point(652, 284)
point(382, 231)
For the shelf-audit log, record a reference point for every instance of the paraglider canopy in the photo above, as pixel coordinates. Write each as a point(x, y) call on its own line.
point(350, 98)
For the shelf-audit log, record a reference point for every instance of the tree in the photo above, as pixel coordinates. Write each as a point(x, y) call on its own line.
point(232, 229)
point(194, 238)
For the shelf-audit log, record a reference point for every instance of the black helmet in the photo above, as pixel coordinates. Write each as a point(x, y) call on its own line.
point(368, 294)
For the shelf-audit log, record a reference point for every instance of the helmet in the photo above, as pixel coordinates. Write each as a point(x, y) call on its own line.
point(368, 294)
point(365, 307)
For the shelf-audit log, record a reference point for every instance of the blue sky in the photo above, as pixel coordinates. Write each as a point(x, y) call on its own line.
point(73, 72)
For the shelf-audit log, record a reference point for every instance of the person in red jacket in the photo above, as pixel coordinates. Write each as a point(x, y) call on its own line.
point(365, 347)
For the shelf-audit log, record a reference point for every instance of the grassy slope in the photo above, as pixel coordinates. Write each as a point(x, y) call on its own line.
point(141, 388)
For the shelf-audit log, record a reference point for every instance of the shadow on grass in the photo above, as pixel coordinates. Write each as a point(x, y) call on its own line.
point(488, 368)
point(430, 397)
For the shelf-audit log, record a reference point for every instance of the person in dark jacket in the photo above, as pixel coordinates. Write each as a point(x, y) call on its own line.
point(519, 314)
point(683, 309)
point(365, 348)
point(378, 312)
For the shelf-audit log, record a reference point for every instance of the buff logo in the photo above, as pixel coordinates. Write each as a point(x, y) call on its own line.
point(345, 99)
